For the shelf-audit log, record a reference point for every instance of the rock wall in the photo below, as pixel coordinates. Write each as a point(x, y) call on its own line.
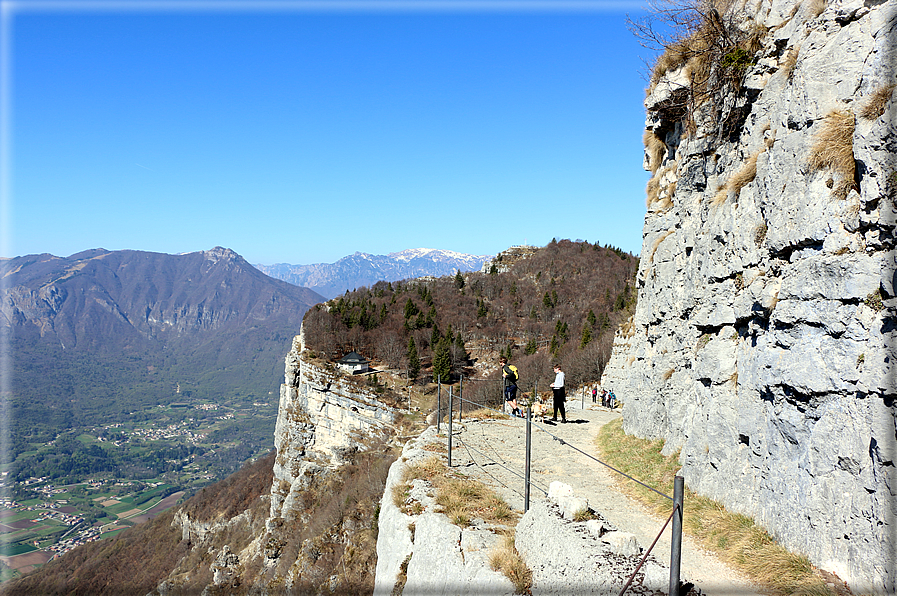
point(763, 344)
point(322, 416)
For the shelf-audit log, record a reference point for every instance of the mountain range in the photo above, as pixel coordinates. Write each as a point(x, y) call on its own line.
point(363, 269)
point(101, 333)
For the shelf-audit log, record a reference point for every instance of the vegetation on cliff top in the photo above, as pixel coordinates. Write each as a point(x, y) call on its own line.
point(560, 304)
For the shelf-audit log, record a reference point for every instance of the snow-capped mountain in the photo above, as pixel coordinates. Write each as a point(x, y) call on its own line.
point(363, 269)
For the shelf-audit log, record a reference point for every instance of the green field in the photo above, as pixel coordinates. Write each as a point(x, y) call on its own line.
point(10, 550)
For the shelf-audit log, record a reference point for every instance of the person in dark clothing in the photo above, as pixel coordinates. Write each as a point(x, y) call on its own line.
point(559, 395)
point(509, 374)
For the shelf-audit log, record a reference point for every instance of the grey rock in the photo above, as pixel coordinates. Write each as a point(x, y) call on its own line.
point(764, 342)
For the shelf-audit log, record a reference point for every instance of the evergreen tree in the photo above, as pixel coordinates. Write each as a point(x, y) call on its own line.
point(413, 359)
point(591, 318)
point(442, 360)
point(462, 350)
point(410, 309)
point(459, 280)
point(586, 336)
point(531, 347)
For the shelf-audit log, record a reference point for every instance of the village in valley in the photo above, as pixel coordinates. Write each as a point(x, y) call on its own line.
point(167, 452)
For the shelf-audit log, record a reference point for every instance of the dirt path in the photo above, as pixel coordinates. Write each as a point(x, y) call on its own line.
point(481, 449)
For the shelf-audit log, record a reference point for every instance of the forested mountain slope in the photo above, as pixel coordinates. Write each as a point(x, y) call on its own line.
point(562, 304)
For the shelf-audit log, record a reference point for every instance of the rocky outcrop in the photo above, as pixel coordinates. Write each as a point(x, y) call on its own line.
point(763, 344)
point(425, 553)
point(312, 526)
point(323, 416)
point(504, 260)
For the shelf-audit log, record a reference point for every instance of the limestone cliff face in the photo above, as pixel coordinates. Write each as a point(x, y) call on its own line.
point(763, 344)
point(323, 415)
point(311, 527)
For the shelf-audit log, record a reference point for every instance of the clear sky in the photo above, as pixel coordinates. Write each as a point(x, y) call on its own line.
point(300, 132)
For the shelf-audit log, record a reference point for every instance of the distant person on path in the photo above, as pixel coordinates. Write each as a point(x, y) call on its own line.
point(559, 395)
point(510, 375)
point(594, 394)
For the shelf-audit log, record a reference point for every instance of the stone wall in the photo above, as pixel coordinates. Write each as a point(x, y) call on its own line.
point(763, 346)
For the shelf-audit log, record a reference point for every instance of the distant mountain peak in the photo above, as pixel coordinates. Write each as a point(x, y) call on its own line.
point(219, 253)
point(364, 269)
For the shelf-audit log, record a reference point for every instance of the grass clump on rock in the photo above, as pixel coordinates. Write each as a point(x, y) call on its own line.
point(506, 560)
point(833, 151)
point(735, 538)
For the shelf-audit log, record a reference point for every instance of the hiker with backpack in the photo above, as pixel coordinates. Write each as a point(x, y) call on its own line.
point(511, 376)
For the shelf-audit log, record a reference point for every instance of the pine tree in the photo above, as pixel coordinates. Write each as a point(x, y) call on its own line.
point(531, 347)
point(459, 280)
point(442, 360)
point(413, 359)
point(410, 309)
point(586, 336)
point(591, 318)
point(462, 353)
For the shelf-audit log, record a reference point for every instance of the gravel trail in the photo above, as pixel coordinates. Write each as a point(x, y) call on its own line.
point(483, 449)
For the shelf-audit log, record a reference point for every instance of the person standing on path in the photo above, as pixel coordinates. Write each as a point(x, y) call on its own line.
point(510, 375)
point(559, 395)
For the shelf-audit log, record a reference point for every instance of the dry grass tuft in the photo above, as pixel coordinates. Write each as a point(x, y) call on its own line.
point(790, 62)
point(485, 414)
point(760, 234)
point(735, 538)
point(668, 374)
point(655, 148)
point(739, 180)
point(833, 150)
point(656, 244)
point(461, 498)
point(508, 561)
point(877, 103)
point(815, 8)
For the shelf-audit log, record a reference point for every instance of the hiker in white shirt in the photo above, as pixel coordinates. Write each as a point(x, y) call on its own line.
point(559, 395)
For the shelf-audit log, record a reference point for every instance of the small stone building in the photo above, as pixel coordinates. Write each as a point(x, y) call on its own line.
point(354, 363)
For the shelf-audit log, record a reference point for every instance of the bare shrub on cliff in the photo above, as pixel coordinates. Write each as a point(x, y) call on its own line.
point(715, 41)
point(833, 150)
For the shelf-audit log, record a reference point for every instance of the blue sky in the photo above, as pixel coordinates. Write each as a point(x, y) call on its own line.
point(301, 132)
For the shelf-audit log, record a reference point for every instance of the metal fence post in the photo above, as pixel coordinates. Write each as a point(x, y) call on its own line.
point(529, 428)
point(676, 551)
point(451, 405)
point(460, 397)
point(438, 403)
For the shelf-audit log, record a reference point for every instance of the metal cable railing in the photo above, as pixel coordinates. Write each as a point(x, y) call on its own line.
point(677, 499)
